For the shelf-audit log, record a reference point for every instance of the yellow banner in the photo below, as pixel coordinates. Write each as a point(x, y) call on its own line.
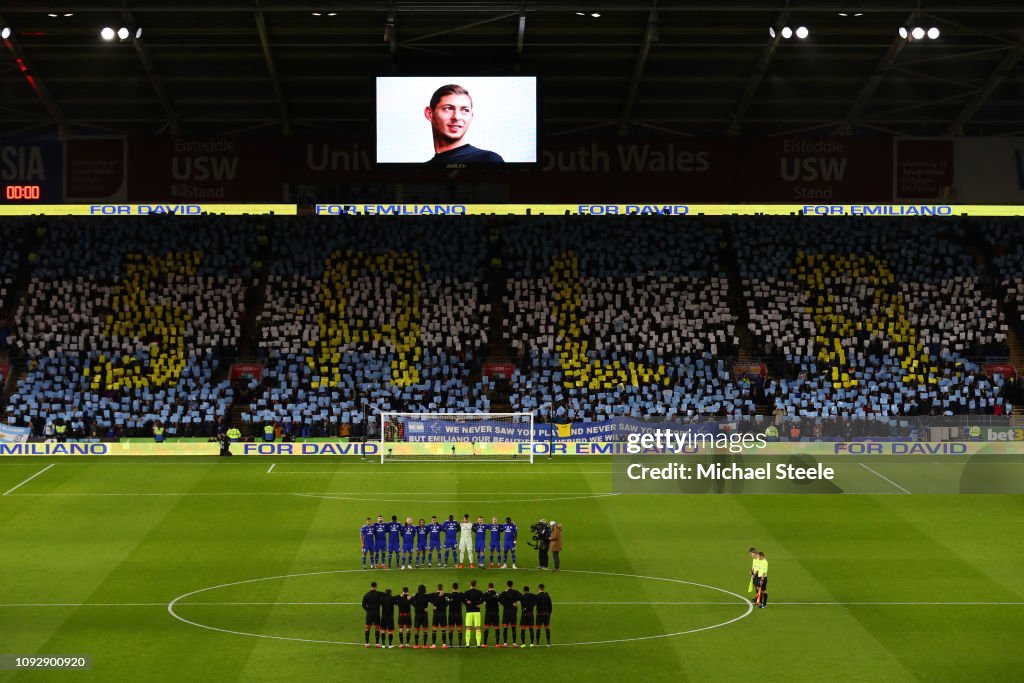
point(146, 209)
point(667, 209)
point(516, 209)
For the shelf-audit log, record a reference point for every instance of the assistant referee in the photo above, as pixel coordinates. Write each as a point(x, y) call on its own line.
point(762, 574)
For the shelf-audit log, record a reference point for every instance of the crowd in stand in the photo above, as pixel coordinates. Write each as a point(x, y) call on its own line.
point(12, 236)
point(130, 322)
point(869, 317)
point(617, 317)
point(367, 314)
point(125, 321)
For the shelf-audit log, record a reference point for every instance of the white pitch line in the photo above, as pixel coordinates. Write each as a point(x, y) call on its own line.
point(470, 498)
point(271, 468)
point(884, 477)
point(320, 494)
point(910, 604)
point(17, 486)
point(465, 473)
point(560, 603)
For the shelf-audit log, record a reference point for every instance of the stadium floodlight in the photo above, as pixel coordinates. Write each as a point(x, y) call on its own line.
point(802, 32)
point(138, 33)
point(771, 31)
point(123, 33)
point(596, 15)
point(5, 33)
point(919, 32)
point(107, 33)
point(787, 32)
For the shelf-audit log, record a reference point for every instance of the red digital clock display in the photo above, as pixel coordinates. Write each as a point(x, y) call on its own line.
point(23, 192)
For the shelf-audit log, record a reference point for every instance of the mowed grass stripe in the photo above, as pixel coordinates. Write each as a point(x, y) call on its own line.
point(64, 551)
point(204, 540)
point(867, 548)
point(975, 531)
point(197, 542)
point(790, 533)
point(324, 540)
point(618, 547)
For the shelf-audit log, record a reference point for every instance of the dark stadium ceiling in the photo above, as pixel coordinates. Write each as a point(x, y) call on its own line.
point(670, 66)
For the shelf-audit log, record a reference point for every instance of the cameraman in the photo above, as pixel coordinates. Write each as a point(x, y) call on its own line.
point(555, 541)
point(541, 533)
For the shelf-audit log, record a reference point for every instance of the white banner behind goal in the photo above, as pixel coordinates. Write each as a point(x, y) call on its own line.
point(466, 437)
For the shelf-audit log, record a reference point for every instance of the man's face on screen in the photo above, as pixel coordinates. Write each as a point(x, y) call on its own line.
point(451, 117)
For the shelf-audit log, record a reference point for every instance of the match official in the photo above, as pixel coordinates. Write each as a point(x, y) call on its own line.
point(754, 580)
point(762, 573)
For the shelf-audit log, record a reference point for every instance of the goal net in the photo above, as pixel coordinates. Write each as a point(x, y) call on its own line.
point(466, 437)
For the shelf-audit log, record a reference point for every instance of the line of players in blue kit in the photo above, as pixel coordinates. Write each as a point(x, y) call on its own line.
point(413, 546)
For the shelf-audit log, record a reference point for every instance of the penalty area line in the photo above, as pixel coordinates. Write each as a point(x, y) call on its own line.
point(884, 477)
point(271, 468)
point(19, 485)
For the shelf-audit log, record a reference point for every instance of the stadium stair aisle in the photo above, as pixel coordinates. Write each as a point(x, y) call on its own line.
point(255, 299)
point(248, 343)
point(983, 259)
point(747, 350)
point(497, 288)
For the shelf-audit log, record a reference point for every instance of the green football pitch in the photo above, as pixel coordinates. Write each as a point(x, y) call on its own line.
point(206, 569)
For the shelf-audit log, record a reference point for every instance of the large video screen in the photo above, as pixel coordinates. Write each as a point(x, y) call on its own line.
point(457, 121)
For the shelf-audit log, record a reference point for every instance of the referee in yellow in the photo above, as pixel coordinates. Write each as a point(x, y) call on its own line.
point(753, 570)
point(762, 582)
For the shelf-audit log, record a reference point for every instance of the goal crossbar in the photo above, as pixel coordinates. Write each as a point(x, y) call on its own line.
point(461, 437)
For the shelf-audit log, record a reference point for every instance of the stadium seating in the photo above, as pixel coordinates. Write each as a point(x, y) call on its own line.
point(124, 323)
point(130, 321)
point(871, 317)
point(365, 313)
point(616, 317)
point(12, 236)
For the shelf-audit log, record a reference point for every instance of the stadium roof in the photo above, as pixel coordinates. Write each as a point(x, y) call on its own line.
point(670, 66)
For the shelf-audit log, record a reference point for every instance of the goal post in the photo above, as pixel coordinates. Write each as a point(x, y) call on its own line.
point(460, 437)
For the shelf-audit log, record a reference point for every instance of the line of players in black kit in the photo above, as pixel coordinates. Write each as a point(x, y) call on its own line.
point(448, 617)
